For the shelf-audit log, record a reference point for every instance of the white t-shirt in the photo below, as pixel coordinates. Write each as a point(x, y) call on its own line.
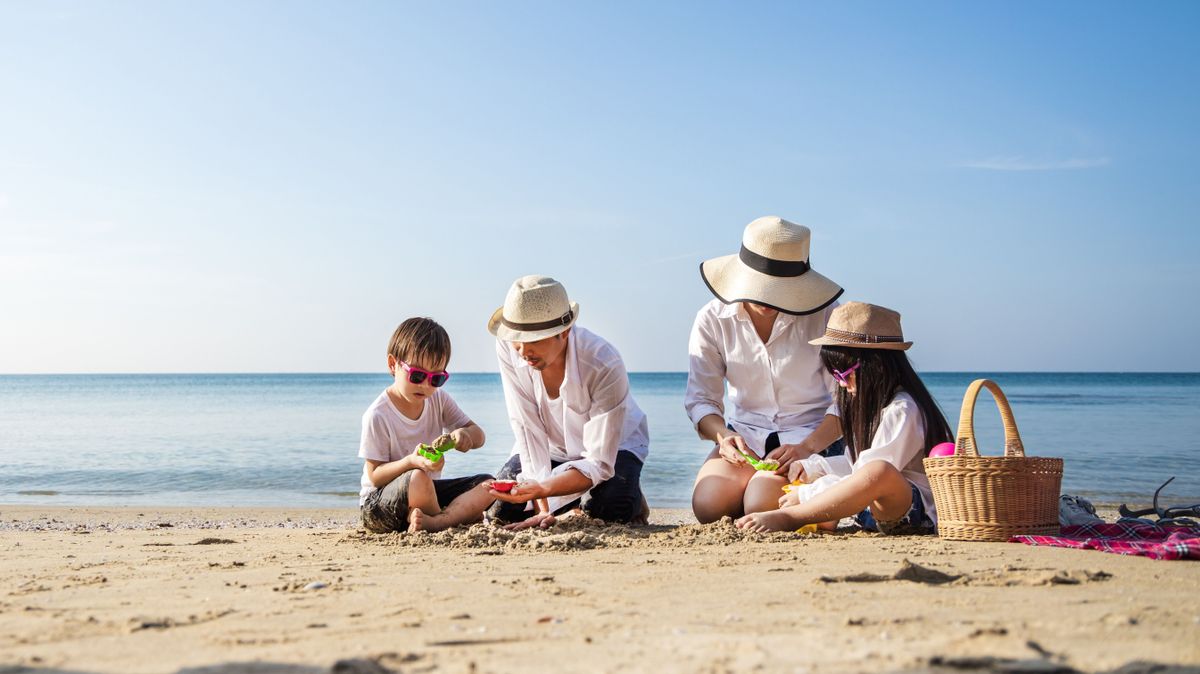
point(899, 440)
point(388, 435)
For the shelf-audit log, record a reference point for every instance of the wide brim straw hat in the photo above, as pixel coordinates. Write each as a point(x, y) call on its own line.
point(536, 307)
point(772, 269)
point(863, 326)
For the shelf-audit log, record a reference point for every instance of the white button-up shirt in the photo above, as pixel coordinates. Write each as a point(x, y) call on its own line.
point(594, 417)
point(779, 386)
point(899, 440)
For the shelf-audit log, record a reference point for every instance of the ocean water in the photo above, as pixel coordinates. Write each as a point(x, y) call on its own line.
point(292, 439)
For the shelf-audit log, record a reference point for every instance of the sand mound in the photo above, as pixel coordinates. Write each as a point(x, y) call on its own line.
point(575, 533)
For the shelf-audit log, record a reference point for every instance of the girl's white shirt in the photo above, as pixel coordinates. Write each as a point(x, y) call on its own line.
point(779, 386)
point(899, 440)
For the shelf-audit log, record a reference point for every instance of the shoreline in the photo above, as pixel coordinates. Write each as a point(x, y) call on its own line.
point(103, 590)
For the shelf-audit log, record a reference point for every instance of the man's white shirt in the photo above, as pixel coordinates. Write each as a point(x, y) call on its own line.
point(594, 417)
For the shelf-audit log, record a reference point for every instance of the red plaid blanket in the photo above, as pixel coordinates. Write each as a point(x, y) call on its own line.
point(1126, 538)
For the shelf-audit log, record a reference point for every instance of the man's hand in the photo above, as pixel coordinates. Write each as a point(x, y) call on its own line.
point(540, 520)
point(731, 448)
point(522, 492)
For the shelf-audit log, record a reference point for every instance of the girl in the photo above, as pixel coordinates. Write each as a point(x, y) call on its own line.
point(889, 422)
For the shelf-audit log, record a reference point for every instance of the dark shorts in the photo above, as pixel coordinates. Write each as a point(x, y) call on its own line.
point(617, 499)
point(387, 509)
point(915, 521)
point(772, 442)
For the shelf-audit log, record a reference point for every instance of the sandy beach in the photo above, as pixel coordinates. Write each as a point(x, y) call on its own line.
point(164, 590)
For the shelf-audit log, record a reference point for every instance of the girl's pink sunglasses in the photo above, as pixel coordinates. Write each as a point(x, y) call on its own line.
point(416, 375)
point(844, 377)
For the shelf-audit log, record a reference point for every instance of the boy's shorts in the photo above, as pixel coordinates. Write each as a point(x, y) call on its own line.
point(387, 509)
point(915, 521)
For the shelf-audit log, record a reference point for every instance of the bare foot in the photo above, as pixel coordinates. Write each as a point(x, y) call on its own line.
point(643, 517)
point(773, 520)
point(828, 526)
point(416, 520)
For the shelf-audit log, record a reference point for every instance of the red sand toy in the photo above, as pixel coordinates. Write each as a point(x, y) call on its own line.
point(504, 486)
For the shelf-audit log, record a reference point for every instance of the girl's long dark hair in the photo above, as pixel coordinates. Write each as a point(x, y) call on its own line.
point(881, 375)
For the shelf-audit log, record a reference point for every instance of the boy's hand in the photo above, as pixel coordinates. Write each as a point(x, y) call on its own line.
point(421, 463)
point(462, 440)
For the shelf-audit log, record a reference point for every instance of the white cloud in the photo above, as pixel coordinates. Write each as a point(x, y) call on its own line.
point(1023, 164)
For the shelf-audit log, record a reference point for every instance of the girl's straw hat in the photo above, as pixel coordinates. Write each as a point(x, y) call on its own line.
point(772, 269)
point(863, 326)
point(536, 308)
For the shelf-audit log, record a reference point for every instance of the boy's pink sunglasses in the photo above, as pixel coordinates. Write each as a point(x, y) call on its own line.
point(416, 375)
point(844, 377)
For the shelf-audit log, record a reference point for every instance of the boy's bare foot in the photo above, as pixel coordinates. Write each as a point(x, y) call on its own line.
point(416, 520)
point(828, 526)
point(773, 520)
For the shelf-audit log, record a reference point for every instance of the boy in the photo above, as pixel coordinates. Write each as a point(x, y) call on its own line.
point(400, 488)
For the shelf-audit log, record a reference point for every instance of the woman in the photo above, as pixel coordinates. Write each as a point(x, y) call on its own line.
point(755, 337)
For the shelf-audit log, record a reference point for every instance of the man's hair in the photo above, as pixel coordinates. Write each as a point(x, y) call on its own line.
point(421, 340)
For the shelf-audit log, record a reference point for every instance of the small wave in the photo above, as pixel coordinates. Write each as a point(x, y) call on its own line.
point(38, 492)
point(335, 493)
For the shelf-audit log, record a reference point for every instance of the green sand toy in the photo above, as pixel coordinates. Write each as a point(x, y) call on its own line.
point(435, 454)
point(765, 464)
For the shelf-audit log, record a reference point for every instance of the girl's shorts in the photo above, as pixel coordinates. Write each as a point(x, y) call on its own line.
point(915, 521)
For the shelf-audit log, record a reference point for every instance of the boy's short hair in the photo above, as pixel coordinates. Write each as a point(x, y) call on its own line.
point(420, 340)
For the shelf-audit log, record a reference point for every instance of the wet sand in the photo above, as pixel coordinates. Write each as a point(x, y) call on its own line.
point(163, 590)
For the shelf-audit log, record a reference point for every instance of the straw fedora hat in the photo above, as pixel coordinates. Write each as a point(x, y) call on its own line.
point(772, 269)
point(864, 326)
point(536, 307)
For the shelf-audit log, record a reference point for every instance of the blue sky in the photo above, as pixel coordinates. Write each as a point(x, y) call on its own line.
point(223, 187)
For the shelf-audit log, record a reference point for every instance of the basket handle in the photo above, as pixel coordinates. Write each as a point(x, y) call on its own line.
point(966, 421)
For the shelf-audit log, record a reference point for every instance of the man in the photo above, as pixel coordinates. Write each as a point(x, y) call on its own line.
point(580, 437)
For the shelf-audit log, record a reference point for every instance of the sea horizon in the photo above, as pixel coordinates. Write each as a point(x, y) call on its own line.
point(219, 438)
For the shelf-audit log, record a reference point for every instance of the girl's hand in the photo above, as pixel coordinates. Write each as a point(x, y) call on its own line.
point(540, 520)
point(731, 447)
point(462, 440)
point(789, 499)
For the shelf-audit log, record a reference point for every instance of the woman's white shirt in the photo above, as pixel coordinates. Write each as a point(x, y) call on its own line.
point(779, 386)
point(899, 440)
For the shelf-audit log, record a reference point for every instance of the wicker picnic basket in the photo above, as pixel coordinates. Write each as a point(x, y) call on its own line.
point(991, 498)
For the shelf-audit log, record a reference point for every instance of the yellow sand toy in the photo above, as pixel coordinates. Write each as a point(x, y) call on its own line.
point(807, 528)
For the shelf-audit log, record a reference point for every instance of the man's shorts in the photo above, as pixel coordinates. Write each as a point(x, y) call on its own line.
point(387, 509)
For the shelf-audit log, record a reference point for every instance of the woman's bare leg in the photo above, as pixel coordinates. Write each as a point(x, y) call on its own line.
point(878, 485)
point(763, 492)
point(720, 488)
